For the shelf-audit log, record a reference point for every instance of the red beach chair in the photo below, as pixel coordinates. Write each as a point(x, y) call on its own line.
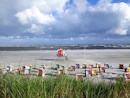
point(121, 66)
point(73, 68)
point(102, 69)
point(91, 66)
point(127, 75)
point(61, 53)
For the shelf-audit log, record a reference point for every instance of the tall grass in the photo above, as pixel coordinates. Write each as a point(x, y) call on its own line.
point(18, 86)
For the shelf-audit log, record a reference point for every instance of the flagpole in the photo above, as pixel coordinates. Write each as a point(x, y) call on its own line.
point(84, 52)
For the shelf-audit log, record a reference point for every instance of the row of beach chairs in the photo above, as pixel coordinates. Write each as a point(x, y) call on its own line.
point(90, 70)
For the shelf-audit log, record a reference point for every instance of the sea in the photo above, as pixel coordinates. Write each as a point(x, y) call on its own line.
point(65, 47)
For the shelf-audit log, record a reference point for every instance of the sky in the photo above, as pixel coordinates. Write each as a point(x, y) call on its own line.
point(30, 22)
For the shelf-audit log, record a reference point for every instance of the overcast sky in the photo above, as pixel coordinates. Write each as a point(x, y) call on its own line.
point(24, 22)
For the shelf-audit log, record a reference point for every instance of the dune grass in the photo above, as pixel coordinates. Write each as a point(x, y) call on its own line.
point(18, 86)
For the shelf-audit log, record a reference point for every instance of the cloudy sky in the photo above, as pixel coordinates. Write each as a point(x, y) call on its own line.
point(24, 22)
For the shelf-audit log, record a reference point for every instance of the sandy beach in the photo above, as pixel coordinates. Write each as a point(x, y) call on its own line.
point(49, 58)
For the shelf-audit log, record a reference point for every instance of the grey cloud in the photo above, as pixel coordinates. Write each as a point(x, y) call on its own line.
point(109, 22)
point(102, 21)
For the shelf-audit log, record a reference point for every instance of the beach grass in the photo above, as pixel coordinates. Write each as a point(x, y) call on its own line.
point(19, 86)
